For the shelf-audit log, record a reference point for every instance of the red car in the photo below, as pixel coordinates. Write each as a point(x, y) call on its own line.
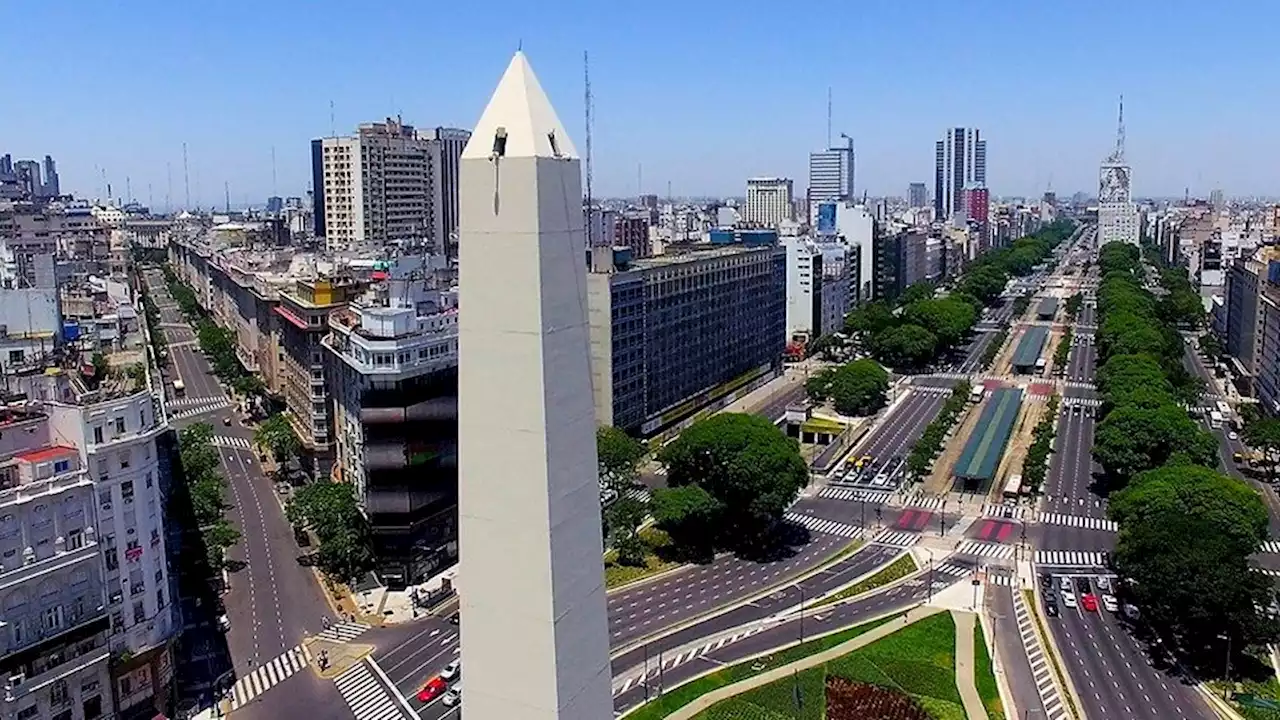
point(1089, 602)
point(434, 688)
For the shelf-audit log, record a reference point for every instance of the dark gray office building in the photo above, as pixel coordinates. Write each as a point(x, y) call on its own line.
point(673, 334)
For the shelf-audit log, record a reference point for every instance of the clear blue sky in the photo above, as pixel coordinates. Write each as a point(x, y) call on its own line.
point(702, 94)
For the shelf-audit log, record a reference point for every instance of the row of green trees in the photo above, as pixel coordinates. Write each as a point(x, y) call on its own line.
point(993, 348)
point(151, 315)
point(1186, 530)
point(855, 388)
point(330, 511)
point(202, 492)
point(919, 328)
point(1074, 305)
point(619, 456)
point(216, 342)
point(1063, 350)
point(1035, 465)
point(926, 449)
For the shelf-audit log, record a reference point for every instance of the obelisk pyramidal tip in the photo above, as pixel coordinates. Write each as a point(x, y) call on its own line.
point(535, 640)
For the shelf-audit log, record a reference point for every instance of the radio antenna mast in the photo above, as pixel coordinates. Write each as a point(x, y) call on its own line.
point(586, 81)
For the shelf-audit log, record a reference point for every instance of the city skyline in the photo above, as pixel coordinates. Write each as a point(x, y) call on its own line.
point(1049, 126)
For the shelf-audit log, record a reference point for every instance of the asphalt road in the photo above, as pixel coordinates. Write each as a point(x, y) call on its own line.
point(1112, 674)
point(777, 407)
point(1082, 360)
point(1013, 656)
point(897, 432)
point(776, 635)
point(273, 600)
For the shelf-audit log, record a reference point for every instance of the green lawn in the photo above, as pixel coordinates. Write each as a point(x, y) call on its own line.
point(1269, 690)
point(682, 695)
point(896, 570)
point(984, 677)
point(617, 574)
point(918, 660)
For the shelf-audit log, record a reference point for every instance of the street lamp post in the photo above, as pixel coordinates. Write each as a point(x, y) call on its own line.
point(929, 589)
point(1226, 691)
point(942, 520)
point(864, 512)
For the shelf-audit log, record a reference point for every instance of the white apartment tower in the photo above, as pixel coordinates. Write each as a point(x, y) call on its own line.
point(378, 186)
point(531, 581)
point(770, 201)
point(960, 162)
point(831, 174)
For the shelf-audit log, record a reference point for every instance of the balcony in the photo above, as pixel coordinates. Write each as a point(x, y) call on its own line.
point(60, 561)
point(82, 644)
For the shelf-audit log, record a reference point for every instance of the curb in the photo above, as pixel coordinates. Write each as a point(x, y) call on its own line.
point(812, 604)
point(713, 612)
point(1055, 655)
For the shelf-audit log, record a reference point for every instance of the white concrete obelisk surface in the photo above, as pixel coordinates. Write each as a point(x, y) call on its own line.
point(535, 640)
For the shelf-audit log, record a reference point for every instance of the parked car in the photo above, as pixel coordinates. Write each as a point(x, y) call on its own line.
point(452, 671)
point(453, 697)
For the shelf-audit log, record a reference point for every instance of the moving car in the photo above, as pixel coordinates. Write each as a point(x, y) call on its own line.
point(1046, 581)
point(453, 697)
point(224, 623)
point(1103, 583)
point(1064, 582)
point(1233, 435)
point(434, 688)
point(1068, 599)
point(1089, 602)
point(1051, 609)
point(451, 671)
point(1082, 584)
point(1109, 602)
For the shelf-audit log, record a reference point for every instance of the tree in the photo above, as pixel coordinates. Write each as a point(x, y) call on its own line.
point(619, 457)
point(1133, 439)
point(1212, 345)
point(916, 292)
point(329, 509)
point(748, 473)
point(1264, 433)
point(870, 318)
point(277, 436)
point(905, 346)
point(949, 319)
point(856, 388)
point(1186, 534)
point(625, 516)
point(1073, 306)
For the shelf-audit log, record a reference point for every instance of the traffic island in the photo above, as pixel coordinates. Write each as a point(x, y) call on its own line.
point(340, 656)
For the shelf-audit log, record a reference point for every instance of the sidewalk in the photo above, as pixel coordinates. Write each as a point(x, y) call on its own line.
point(702, 703)
point(973, 706)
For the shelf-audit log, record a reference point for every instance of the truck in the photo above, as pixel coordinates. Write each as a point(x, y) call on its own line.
point(179, 389)
point(975, 395)
point(1215, 419)
point(1040, 364)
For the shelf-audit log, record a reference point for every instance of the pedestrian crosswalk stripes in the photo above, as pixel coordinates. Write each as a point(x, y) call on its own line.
point(1079, 384)
point(1071, 558)
point(822, 525)
point(674, 659)
point(268, 675)
point(1041, 670)
point(1081, 402)
point(1000, 510)
point(985, 549)
point(343, 632)
point(896, 538)
point(926, 502)
point(930, 390)
point(189, 401)
point(367, 698)
point(855, 495)
point(1089, 523)
point(231, 441)
point(1271, 546)
point(954, 569)
point(193, 411)
point(1001, 579)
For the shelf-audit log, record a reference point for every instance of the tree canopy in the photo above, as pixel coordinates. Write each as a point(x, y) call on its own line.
point(277, 436)
point(329, 509)
point(855, 388)
point(906, 346)
point(731, 478)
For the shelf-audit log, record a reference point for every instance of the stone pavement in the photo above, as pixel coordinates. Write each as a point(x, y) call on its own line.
point(965, 683)
point(702, 703)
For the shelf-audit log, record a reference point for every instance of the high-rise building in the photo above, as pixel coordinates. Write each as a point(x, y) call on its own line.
point(654, 367)
point(51, 187)
point(531, 579)
point(28, 172)
point(377, 186)
point(6, 166)
point(769, 201)
point(918, 195)
point(393, 370)
point(446, 149)
point(317, 188)
point(1117, 213)
point(831, 174)
point(960, 162)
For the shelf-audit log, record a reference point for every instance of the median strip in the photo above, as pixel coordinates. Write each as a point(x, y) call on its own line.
point(898, 569)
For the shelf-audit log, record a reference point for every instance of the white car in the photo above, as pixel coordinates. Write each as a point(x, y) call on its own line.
point(224, 623)
point(453, 697)
point(451, 671)
point(1233, 435)
point(1068, 599)
point(1109, 602)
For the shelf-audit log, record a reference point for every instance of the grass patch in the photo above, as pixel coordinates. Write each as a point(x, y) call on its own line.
point(896, 570)
point(682, 695)
point(656, 560)
point(984, 676)
point(918, 660)
point(1267, 690)
point(1029, 596)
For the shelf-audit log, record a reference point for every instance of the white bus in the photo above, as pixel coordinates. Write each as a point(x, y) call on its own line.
point(1013, 487)
point(179, 389)
point(1215, 419)
point(975, 395)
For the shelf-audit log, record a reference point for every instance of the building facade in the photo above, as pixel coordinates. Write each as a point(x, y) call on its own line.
point(770, 201)
point(394, 374)
point(831, 174)
point(676, 333)
point(960, 162)
point(446, 150)
point(918, 195)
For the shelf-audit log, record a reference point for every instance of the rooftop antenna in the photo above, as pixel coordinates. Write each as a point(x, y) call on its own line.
point(226, 193)
point(828, 117)
point(186, 179)
point(639, 179)
point(586, 82)
point(168, 187)
point(333, 129)
point(128, 190)
point(149, 199)
point(1120, 133)
point(273, 169)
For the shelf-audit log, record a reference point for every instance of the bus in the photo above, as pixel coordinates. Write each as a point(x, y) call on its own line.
point(975, 395)
point(179, 389)
point(1013, 487)
point(1215, 419)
